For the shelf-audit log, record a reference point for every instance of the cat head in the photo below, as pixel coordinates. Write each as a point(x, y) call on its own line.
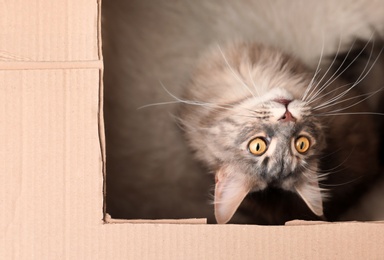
point(250, 125)
point(278, 146)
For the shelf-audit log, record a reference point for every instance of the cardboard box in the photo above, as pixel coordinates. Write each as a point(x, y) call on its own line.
point(52, 160)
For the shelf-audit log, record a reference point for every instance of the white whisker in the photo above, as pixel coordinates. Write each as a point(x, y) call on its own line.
point(367, 96)
point(316, 176)
point(190, 102)
point(352, 113)
point(341, 184)
point(312, 95)
point(234, 73)
point(333, 78)
point(253, 82)
point(318, 69)
point(158, 104)
point(361, 78)
point(329, 93)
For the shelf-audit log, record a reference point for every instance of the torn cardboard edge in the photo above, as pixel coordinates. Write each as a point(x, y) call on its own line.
point(203, 221)
point(103, 151)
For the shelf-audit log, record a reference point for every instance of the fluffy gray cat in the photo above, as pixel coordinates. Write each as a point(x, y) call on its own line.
point(151, 172)
point(271, 128)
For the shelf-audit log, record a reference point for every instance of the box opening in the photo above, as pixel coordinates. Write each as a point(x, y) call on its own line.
point(151, 175)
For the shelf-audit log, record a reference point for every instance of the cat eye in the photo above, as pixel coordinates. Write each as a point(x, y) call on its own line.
point(257, 146)
point(302, 144)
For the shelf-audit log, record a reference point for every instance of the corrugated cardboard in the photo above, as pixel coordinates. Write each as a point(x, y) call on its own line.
point(52, 157)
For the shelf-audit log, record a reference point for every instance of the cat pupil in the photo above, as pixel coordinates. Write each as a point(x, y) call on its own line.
point(302, 145)
point(258, 147)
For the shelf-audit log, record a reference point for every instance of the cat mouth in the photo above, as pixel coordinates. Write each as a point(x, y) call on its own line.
point(283, 101)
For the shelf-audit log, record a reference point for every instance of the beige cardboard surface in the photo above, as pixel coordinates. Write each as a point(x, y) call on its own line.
point(48, 30)
point(50, 159)
point(329, 241)
point(51, 179)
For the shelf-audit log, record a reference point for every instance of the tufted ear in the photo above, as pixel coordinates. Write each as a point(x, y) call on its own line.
point(230, 190)
point(310, 192)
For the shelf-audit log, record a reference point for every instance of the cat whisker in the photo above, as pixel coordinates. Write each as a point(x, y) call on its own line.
point(339, 166)
point(329, 154)
point(333, 78)
point(188, 102)
point(305, 169)
point(261, 113)
point(361, 78)
point(367, 96)
point(324, 173)
point(182, 124)
point(177, 100)
point(310, 86)
point(236, 75)
point(191, 102)
point(159, 104)
point(328, 93)
point(246, 116)
point(312, 94)
point(351, 113)
point(341, 184)
point(318, 69)
point(316, 176)
point(362, 75)
point(253, 82)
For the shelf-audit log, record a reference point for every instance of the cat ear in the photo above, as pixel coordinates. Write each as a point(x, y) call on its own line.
point(310, 192)
point(230, 190)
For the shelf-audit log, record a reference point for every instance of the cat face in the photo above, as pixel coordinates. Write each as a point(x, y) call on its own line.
point(271, 141)
point(254, 138)
point(281, 143)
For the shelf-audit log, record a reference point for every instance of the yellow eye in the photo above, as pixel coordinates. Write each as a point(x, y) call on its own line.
point(302, 144)
point(257, 146)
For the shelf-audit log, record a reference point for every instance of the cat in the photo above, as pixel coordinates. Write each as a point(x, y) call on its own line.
point(150, 172)
point(292, 142)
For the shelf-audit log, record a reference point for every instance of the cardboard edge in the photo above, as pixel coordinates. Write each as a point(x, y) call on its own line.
point(199, 221)
point(298, 222)
point(101, 112)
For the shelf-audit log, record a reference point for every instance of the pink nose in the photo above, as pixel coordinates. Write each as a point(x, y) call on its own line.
point(287, 117)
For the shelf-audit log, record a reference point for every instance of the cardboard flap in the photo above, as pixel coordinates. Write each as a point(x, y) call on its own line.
point(46, 30)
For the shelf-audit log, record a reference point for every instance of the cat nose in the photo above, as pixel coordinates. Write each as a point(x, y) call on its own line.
point(287, 117)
